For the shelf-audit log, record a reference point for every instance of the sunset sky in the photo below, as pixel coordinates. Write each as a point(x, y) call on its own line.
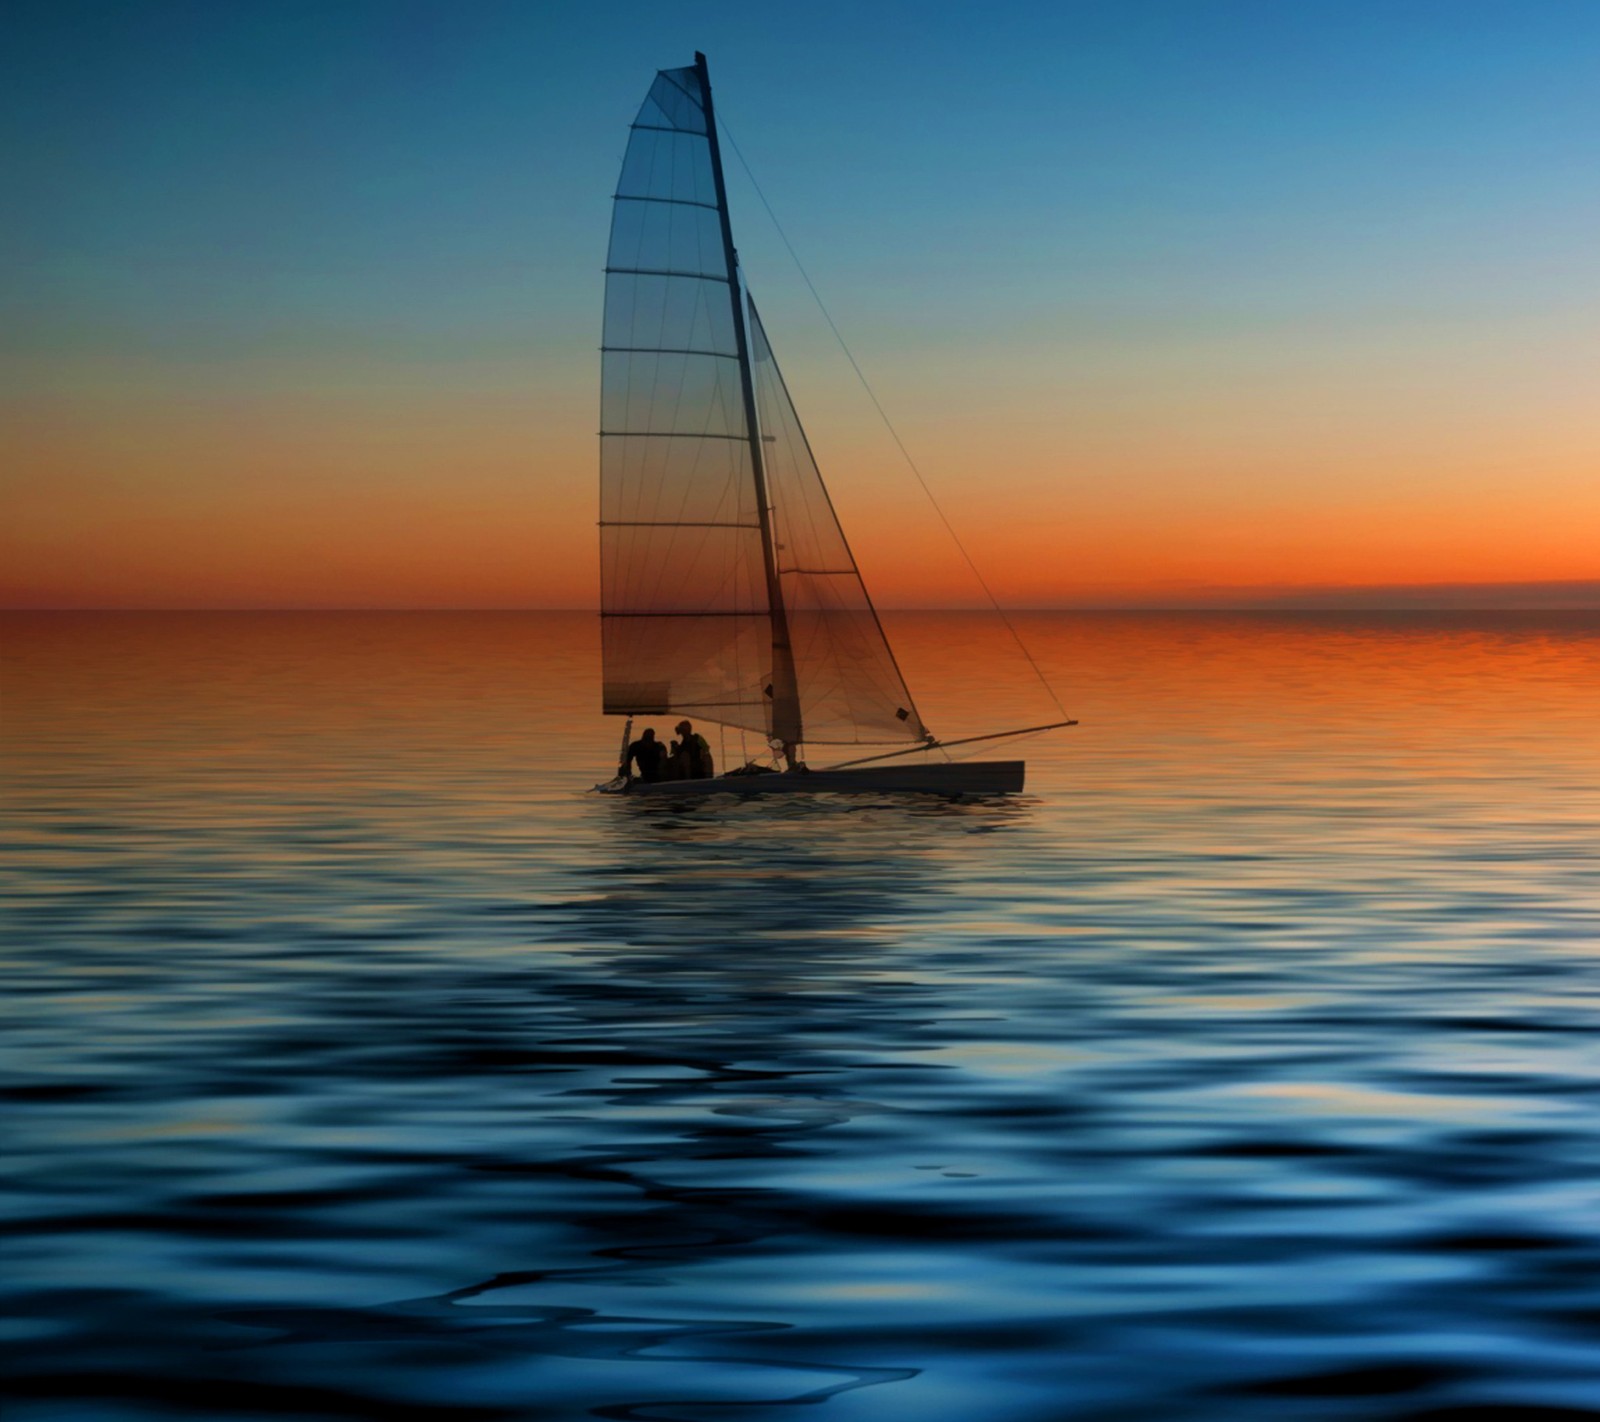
point(1172, 302)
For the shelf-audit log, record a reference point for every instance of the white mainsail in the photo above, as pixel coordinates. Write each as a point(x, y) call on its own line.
point(728, 591)
point(685, 618)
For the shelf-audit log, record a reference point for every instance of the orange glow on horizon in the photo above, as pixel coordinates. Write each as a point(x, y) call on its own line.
point(430, 498)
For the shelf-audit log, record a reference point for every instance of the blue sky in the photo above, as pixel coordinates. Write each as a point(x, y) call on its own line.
point(412, 170)
point(1129, 207)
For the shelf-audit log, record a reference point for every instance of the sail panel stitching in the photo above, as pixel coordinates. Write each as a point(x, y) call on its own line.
point(663, 272)
point(666, 434)
point(667, 350)
point(669, 523)
point(667, 75)
point(675, 202)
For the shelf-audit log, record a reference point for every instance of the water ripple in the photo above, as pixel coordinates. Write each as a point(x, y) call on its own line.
point(360, 1065)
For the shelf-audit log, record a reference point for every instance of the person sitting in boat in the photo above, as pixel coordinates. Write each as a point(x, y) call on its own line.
point(647, 753)
point(691, 756)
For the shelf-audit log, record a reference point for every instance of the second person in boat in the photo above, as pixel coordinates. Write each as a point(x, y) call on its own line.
point(691, 756)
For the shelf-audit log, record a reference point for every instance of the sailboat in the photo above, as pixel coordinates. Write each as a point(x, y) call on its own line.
point(729, 594)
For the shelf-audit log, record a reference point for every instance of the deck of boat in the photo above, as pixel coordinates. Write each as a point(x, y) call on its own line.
point(971, 777)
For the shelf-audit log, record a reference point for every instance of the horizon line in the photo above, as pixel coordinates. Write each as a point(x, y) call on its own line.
point(1007, 609)
point(1553, 595)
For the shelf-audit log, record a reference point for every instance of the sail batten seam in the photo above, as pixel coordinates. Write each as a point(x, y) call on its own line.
point(666, 434)
point(664, 272)
point(673, 201)
point(666, 350)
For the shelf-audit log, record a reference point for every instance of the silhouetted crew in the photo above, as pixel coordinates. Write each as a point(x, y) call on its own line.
point(692, 753)
point(646, 753)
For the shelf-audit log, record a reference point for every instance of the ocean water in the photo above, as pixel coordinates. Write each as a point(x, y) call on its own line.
point(359, 1064)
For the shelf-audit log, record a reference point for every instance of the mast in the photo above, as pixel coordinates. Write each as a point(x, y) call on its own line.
point(785, 690)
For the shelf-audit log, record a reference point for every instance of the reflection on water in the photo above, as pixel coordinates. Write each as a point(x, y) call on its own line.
point(359, 1065)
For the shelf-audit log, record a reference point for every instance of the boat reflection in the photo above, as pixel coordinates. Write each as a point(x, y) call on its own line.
point(729, 979)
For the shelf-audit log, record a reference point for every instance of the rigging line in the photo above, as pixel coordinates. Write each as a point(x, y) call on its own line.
point(888, 424)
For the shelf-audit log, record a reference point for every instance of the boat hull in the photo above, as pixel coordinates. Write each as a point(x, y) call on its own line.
point(969, 777)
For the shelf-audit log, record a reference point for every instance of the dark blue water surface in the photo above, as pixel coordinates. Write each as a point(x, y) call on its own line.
point(359, 1065)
